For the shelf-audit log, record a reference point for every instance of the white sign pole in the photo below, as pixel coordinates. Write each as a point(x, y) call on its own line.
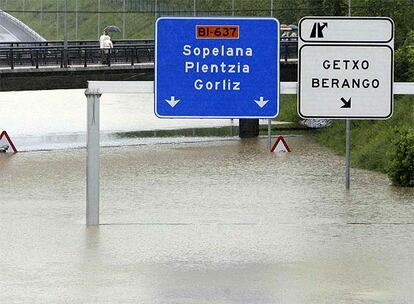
point(92, 164)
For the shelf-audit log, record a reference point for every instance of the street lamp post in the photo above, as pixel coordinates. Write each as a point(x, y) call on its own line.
point(271, 8)
point(41, 11)
point(76, 20)
point(124, 20)
point(99, 18)
point(65, 35)
point(57, 20)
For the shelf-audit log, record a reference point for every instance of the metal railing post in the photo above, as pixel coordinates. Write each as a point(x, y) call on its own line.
point(85, 63)
point(37, 59)
point(11, 59)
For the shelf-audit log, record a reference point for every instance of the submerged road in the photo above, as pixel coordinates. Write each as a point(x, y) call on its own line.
point(213, 222)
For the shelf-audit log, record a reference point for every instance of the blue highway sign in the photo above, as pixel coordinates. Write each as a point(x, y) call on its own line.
point(217, 67)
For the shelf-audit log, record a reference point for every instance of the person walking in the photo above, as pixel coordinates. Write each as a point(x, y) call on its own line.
point(105, 44)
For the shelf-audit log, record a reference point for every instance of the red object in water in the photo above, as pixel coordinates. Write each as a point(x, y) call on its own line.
point(281, 140)
point(4, 133)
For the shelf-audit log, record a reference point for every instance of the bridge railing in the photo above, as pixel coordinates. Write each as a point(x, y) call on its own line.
point(81, 55)
point(87, 53)
point(72, 43)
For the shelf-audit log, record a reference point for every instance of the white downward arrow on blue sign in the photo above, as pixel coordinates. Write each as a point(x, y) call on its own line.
point(172, 102)
point(261, 102)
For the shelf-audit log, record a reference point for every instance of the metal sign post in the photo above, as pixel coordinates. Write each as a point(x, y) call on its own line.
point(347, 154)
point(348, 137)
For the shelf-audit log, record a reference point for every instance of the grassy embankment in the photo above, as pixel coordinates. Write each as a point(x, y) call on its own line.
point(50, 25)
point(372, 142)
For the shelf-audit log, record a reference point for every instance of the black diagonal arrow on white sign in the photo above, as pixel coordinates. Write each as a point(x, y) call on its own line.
point(347, 103)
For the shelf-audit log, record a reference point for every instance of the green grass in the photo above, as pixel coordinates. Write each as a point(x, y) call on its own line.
point(288, 108)
point(371, 141)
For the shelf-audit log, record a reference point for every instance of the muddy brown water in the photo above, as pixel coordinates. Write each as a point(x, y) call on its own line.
point(204, 222)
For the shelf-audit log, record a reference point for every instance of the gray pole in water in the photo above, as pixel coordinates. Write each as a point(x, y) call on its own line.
point(92, 163)
point(348, 138)
point(269, 134)
point(348, 155)
point(269, 122)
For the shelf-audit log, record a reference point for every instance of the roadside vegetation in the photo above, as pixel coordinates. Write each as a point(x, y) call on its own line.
point(385, 146)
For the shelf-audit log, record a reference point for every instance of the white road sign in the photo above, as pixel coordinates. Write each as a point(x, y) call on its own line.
point(345, 78)
point(346, 29)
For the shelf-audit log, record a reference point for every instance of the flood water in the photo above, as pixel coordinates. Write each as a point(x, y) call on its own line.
point(220, 221)
point(56, 119)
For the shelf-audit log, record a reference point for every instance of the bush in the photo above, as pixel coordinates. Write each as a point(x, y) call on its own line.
point(401, 158)
point(404, 60)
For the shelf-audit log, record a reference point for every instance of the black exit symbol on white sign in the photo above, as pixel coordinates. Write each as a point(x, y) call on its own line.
point(317, 30)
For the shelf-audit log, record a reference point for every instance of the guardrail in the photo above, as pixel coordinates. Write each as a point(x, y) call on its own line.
point(86, 53)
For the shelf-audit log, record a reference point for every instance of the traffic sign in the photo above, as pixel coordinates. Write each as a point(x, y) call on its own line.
point(6, 142)
point(346, 29)
point(346, 69)
point(280, 145)
point(216, 67)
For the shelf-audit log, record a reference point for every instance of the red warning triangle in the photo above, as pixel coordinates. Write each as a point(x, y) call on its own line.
point(5, 147)
point(280, 145)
